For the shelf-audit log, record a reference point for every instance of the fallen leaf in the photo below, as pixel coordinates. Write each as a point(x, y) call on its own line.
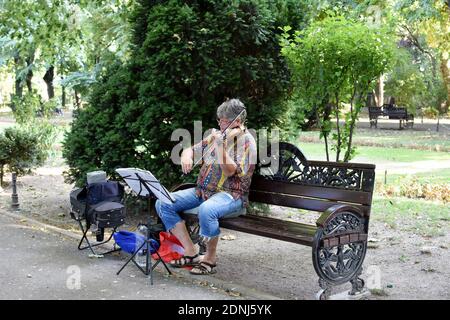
point(234, 293)
point(229, 237)
point(379, 292)
point(425, 250)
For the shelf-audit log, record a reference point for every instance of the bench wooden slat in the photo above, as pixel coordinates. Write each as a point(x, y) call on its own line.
point(273, 228)
point(299, 202)
point(328, 193)
point(281, 223)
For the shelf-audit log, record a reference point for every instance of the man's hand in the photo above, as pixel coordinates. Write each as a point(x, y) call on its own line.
point(187, 160)
point(217, 137)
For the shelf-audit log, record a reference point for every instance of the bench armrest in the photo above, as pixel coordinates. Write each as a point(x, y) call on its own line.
point(328, 214)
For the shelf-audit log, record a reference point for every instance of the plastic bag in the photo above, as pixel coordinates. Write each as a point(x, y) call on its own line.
point(128, 241)
point(170, 247)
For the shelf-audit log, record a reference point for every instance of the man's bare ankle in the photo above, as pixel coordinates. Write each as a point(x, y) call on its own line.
point(209, 260)
point(191, 253)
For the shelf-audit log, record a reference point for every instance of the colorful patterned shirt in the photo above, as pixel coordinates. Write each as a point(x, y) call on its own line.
point(212, 180)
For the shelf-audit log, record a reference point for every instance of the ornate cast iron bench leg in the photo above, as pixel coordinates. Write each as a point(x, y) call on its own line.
point(358, 284)
point(339, 249)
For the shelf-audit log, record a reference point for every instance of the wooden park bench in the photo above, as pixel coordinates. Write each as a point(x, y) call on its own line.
point(392, 113)
point(341, 192)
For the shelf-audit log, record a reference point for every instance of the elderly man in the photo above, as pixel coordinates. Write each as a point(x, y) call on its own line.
point(229, 158)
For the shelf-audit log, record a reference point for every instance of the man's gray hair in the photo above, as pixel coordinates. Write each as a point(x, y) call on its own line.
point(230, 109)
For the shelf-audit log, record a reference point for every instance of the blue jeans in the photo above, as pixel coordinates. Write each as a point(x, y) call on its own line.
point(210, 211)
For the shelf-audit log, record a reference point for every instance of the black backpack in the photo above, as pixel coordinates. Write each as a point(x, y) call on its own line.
point(104, 204)
point(99, 203)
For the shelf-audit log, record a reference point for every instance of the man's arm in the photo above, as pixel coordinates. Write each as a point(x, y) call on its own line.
point(225, 161)
point(187, 156)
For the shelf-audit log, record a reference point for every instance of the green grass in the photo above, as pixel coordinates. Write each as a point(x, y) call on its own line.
point(421, 140)
point(433, 177)
point(426, 218)
point(316, 151)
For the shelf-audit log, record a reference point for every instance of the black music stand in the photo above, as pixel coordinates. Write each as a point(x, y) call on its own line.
point(144, 184)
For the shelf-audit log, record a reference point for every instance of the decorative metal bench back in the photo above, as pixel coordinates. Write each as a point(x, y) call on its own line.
point(312, 185)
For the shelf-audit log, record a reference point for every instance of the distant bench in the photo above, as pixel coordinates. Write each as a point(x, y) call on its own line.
point(393, 113)
point(342, 192)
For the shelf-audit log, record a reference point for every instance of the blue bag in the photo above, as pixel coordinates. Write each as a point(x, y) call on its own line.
point(130, 242)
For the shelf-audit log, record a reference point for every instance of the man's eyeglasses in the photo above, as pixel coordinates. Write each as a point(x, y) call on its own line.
point(224, 121)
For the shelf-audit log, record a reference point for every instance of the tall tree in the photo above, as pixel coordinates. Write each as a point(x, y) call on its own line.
point(429, 20)
point(337, 61)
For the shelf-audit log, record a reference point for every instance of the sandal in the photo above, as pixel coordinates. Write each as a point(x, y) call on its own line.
point(185, 261)
point(204, 268)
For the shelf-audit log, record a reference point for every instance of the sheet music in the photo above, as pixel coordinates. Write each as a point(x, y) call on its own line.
point(131, 177)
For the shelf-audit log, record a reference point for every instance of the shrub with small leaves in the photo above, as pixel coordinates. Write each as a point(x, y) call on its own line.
point(20, 151)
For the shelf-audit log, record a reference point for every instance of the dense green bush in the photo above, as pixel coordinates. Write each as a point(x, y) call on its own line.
point(20, 151)
point(26, 107)
point(188, 57)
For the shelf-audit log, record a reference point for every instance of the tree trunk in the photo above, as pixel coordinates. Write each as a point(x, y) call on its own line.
point(354, 115)
point(338, 143)
point(379, 93)
point(77, 99)
point(18, 82)
point(326, 118)
point(446, 77)
point(63, 97)
point(30, 61)
point(1, 176)
point(48, 78)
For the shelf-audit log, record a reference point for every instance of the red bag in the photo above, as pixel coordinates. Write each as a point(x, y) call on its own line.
point(170, 247)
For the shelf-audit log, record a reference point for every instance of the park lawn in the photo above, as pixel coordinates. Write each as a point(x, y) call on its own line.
point(425, 140)
point(316, 151)
point(419, 216)
point(426, 218)
point(436, 176)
